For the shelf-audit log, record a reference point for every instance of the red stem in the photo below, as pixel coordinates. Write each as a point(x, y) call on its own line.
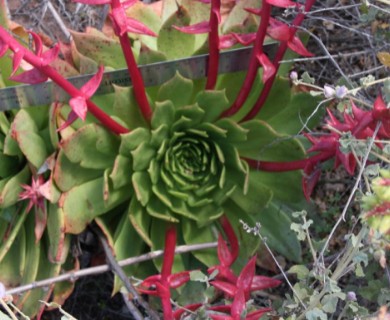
point(253, 64)
point(231, 236)
point(135, 74)
point(166, 270)
point(212, 68)
point(276, 62)
point(275, 166)
point(169, 251)
point(51, 73)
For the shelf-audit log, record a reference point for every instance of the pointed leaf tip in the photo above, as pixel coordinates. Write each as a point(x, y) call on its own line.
point(16, 60)
point(281, 3)
point(37, 43)
point(33, 76)
point(238, 305)
point(296, 45)
point(50, 55)
point(92, 85)
point(198, 28)
point(135, 26)
point(3, 48)
point(279, 31)
point(224, 254)
point(245, 39)
point(79, 107)
point(268, 68)
point(93, 2)
point(245, 278)
point(309, 180)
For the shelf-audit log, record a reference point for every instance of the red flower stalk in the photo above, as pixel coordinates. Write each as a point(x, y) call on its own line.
point(123, 24)
point(215, 20)
point(210, 27)
point(360, 123)
point(258, 56)
point(231, 236)
point(293, 43)
point(328, 148)
point(42, 71)
point(164, 281)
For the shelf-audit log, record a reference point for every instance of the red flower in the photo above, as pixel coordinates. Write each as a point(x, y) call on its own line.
point(79, 103)
point(35, 194)
point(34, 75)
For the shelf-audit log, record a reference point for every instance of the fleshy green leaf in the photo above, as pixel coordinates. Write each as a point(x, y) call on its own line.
point(163, 114)
point(142, 187)
point(148, 56)
point(11, 187)
point(178, 90)
point(33, 250)
point(264, 143)
point(83, 203)
point(68, 174)
point(18, 218)
point(146, 15)
point(275, 227)
point(213, 103)
point(142, 156)
point(13, 263)
point(25, 132)
point(84, 64)
point(292, 118)
point(28, 301)
point(238, 15)
point(58, 241)
point(92, 146)
point(192, 234)
point(8, 165)
point(125, 235)
point(126, 108)
point(257, 198)
point(140, 220)
point(100, 48)
point(235, 133)
point(120, 174)
point(130, 141)
point(285, 186)
point(173, 43)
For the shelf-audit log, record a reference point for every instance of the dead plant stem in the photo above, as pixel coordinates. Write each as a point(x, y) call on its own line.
point(73, 275)
point(281, 269)
point(339, 271)
point(116, 268)
point(7, 308)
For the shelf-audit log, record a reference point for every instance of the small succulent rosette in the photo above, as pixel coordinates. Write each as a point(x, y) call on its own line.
point(377, 205)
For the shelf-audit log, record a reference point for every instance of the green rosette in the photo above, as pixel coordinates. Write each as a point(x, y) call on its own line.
point(186, 167)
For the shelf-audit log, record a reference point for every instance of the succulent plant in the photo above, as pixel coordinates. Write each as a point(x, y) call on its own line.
point(377, 205)
point(186, 153)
